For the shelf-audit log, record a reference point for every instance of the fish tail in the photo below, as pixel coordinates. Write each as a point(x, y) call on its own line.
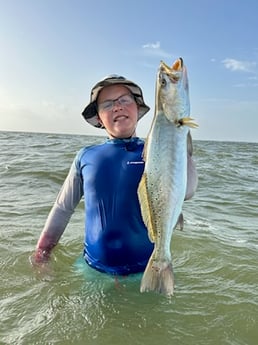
point(158, 277)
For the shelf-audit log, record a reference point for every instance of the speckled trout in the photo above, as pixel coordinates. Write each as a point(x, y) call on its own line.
point(169, 176)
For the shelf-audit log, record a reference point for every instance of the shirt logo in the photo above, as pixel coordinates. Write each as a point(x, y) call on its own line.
point(134, 162)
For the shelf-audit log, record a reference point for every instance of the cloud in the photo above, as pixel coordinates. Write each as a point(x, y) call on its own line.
point(155, 50)
point(237, 65)
point(152, 45)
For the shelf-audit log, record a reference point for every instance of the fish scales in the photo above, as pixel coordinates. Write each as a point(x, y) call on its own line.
point(163, 186)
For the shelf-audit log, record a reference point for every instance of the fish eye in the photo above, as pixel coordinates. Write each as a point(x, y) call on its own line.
point(163, 82)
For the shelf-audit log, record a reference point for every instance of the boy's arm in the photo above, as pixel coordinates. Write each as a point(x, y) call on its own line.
point(59, 216)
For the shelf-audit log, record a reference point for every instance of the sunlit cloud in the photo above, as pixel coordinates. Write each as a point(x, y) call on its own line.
point(237, 65)
point(155, 50)
point(152, 45)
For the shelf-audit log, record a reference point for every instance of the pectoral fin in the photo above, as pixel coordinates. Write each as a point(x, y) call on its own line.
point(188, 121)
point(180, 222)
point(192, 177)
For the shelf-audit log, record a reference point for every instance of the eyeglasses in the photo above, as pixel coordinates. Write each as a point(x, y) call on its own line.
point(123, 100)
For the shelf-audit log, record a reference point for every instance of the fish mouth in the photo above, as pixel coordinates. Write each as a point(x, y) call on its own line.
point(171, 72)
point(177, 66)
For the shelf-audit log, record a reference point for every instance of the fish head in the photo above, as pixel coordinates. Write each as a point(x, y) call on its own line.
point(172, 91)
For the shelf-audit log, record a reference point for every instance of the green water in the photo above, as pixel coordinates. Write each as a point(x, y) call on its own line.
point(215, 257)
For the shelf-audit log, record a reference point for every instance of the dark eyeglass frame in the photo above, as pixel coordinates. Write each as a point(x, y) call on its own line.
point(108, 105)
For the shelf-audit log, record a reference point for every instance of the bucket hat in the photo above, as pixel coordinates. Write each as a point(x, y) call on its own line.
point(90, 113)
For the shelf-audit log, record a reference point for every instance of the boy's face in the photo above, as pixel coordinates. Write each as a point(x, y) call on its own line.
point(119, 117)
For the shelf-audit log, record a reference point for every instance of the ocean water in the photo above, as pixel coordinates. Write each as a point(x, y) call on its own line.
point(215, 257)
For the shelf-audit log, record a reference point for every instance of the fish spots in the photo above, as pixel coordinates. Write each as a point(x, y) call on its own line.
point(156, 269)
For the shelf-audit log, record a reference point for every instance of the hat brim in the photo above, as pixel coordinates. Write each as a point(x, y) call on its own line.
point(90, 113)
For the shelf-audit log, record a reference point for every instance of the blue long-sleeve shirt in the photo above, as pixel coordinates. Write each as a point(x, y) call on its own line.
point(107, 175)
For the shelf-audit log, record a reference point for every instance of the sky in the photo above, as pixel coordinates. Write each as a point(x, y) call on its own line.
point(53, 51)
